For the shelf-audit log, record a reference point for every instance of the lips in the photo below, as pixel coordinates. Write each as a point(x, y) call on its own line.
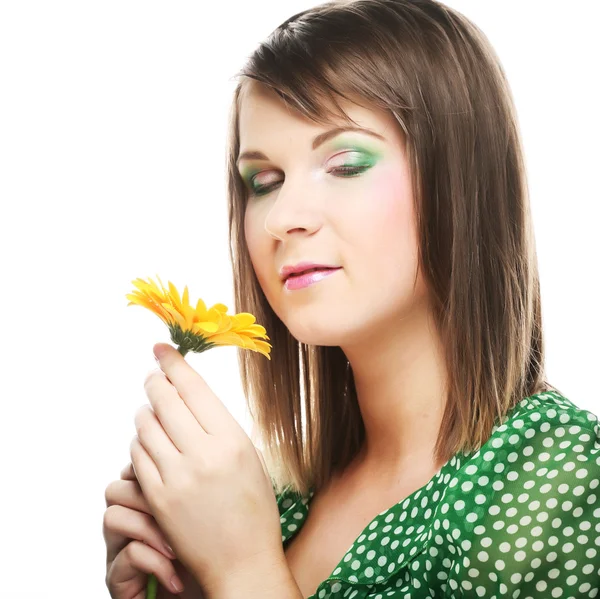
point(309, 277)
point(303, 267)
point(298, 274)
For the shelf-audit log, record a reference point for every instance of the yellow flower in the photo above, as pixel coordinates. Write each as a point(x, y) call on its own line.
point(198, 329)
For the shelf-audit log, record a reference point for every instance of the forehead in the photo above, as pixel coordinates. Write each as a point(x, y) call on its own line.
point(263, 115)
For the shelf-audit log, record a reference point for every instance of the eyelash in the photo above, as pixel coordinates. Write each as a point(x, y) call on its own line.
point(262, 190)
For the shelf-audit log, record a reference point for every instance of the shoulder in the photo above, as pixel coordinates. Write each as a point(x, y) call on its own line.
point(546, 438)
point(546, 427)
point(547, 446)
point(526, 504)
point(553, 408)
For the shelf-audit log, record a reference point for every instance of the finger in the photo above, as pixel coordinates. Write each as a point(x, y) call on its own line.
point(180, 426)
point(144, 467)
point(137, 557)
point(127, 493)
point(210, 412)
point(152, 435)
point(122, 525)
point(127, 473)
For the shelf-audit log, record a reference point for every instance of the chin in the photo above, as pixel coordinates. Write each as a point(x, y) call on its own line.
point(313, 334)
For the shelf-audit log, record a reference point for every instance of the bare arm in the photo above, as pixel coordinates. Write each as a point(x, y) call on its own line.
point(269, 580)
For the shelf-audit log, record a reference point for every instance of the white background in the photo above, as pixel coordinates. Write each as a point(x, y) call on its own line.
point(112, 148)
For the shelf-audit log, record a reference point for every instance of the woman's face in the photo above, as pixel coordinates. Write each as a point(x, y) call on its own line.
point(304, 210)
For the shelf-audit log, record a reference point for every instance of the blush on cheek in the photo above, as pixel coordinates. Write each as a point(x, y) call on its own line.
point(390, 221)
point(391, 198)
point(390, 242)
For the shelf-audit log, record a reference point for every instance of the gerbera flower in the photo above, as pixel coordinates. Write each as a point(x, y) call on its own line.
point(200, 328)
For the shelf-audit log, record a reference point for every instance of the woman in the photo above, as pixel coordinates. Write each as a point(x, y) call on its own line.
point(414, 445)
point(401, 480)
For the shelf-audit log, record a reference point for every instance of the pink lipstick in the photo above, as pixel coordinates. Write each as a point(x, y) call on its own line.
point(308, 278)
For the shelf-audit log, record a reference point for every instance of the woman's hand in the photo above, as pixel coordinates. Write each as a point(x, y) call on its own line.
point(136, 547)
point(206, 485)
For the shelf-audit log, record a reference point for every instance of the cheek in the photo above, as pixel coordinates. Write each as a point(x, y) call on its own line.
point(259, 246)
point(389, 246)
point(252, 230)
point(390, 216)
point(252, 237)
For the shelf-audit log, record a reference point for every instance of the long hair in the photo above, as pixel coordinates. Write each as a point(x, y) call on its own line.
point(436, 72)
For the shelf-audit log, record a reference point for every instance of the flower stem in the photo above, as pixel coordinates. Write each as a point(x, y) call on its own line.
point(151, 587)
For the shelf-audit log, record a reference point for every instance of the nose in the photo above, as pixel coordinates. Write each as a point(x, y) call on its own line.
point(295, 209)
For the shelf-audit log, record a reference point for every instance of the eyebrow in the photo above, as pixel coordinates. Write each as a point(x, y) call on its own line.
point(317, 141)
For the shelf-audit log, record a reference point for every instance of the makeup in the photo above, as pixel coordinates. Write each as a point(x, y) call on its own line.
point(346, 159)
point(308, 278)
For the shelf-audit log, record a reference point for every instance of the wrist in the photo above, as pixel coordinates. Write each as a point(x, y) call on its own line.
point(260, 579)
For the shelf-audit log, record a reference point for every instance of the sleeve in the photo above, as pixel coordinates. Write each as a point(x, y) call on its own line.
point(540, 534)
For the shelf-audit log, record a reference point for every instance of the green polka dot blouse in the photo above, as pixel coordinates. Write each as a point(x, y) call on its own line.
point(520, 517)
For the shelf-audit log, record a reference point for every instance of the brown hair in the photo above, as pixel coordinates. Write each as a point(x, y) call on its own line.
point(436, 72)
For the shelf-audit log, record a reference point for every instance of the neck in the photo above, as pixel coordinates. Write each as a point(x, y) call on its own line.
point(400, 378)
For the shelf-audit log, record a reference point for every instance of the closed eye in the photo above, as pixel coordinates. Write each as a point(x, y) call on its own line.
point(343, 171)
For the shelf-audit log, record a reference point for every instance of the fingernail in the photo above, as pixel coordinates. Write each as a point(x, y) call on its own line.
point(176, 584)
point(169, 550)
point(159, 351)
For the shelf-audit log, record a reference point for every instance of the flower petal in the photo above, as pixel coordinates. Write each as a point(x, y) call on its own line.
point(263, 346)
point(220, 307)
point(176, 300)
point(177, 317)
point(228, 339)
point(255, 329)
point(205, 327)
point(201, 308)
point(243, 320)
